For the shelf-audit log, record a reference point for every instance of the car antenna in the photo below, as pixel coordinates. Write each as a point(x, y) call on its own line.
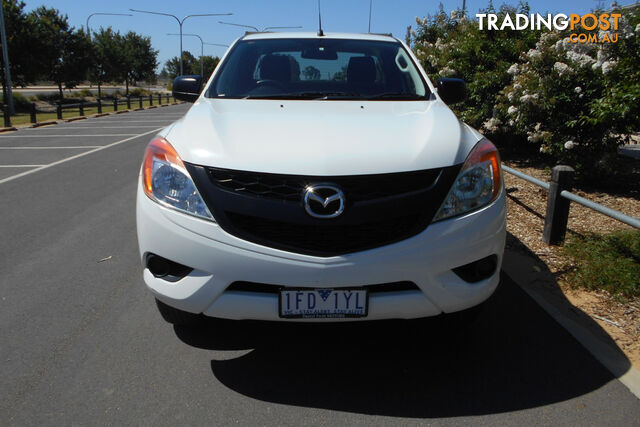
point(320, 32)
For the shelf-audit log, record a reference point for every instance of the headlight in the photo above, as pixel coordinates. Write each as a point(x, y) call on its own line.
point(166, 180)
point(478, 183)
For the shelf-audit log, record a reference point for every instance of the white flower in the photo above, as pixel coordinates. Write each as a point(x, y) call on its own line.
point(534, 54)
point(543, 148)
point(607, 66)
point(577, 89)
point(517, 86)
point(561, 68)
point(582, 59)
point(529, 98)
point(512, 109)
point(492, 124)
point(569, 145)
point(513, 70)
point(446, 71)
point(637, 28)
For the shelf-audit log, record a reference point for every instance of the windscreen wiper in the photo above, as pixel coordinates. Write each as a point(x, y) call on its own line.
point(398, 96)
point(306, 95)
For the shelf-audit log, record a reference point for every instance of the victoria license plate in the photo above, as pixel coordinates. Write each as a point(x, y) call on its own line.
point(323, 303)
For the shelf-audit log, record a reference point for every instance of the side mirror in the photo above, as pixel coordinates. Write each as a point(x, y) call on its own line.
point(187, 88)
point(452, 90)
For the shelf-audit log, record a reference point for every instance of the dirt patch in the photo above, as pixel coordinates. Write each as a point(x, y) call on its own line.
point(526, 206)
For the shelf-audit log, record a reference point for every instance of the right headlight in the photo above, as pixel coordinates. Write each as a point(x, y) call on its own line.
point(166, 181)
point(478, 183)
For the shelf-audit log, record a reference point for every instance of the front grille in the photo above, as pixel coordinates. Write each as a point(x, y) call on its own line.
point(290, 187)
point(265, 288)
point(327, 238)
point(267, 209)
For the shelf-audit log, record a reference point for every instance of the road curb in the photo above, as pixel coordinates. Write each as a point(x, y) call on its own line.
point(47, 123)
point(9, 129)
point(521, 269)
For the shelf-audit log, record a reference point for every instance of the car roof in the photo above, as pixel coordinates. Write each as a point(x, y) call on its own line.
point(310, 35)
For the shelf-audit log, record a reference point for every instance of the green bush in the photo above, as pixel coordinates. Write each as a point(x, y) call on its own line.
point(610, 262)
point(20, 103)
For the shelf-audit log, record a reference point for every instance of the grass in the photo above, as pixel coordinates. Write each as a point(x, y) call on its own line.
point(107, 107)
point(610, 262)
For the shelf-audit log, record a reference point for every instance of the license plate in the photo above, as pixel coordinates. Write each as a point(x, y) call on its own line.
point(323, 303)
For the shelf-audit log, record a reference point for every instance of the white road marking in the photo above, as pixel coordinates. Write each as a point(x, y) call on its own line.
point(86, 153)
point(98, 127)
point(50, 148)
point(64, 136)
point(21, 166)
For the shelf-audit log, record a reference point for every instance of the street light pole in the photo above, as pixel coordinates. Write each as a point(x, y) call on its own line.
point(180, 22)
point(256, 28)
point(202, 43)
point(5, 57)
point(100, 13)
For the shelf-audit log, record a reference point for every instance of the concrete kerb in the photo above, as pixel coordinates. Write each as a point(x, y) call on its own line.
point(73, 119)
point(523, 270)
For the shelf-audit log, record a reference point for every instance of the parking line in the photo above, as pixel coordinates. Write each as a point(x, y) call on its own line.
point(64, 136)
point(101, 127)
point(122, 141)
point(49, 148)
point(21, 166)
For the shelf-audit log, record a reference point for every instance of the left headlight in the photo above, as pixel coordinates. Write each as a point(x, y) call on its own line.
point(478, 183)
point(165, 180)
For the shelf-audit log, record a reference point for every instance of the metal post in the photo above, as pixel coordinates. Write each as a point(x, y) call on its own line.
point(150, 100)
point(140, 101)
point(128, 102)
point(81, 108)
point(115, 103)
point(168, 98)
point(7, 116)
point(59, 111)
point(159, 99)
point(555, 222)
point(33, 112)
point(5, 57)
point(99, 106)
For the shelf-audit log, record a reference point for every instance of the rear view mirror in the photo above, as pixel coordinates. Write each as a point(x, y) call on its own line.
point(187, 88)
point(452, 90)
point(320, 52)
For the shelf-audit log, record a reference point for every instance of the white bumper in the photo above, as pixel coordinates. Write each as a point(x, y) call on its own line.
point(219, 259)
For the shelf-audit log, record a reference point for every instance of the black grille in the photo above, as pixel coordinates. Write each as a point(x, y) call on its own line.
point(267, 209)
point(290, 187)
point(328, 238)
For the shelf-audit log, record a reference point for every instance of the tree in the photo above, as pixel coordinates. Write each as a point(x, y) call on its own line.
point(61, 54)
point(210, 64)
point(20, 42)
point(311, 73)
point(190, 65)
point(139, 59)
point(108, 57)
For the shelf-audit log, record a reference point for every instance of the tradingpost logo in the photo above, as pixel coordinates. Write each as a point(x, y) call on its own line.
point(598, 27)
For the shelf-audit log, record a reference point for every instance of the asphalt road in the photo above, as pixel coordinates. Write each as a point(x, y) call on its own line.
point(81, 341)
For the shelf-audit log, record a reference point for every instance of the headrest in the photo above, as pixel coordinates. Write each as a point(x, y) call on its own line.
point(361, 70)
point(275, 67)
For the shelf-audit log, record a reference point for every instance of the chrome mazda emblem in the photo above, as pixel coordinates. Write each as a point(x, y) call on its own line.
point(323, 201)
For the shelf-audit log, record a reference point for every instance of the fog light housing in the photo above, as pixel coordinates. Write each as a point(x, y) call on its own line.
point(478, 270)
point(166, 269)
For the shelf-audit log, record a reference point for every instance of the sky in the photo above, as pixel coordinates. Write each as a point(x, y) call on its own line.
point(388, 16)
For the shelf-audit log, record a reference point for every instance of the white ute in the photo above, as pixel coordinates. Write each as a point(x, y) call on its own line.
point(319, 178)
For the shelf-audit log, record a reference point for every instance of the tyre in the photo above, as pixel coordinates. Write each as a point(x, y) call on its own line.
point(177, 317)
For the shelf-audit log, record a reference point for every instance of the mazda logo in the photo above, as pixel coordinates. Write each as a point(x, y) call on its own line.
point(323, 201)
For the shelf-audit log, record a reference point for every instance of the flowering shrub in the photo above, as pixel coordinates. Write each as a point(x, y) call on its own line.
point(575, 102)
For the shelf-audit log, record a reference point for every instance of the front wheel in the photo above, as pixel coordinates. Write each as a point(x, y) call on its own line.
point(177, 317)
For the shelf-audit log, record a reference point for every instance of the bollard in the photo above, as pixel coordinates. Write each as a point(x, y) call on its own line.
point(115, 103)
point(99, 106)
point(81, 108)
point(159, 99)
point(150, 100)
point(168, 101)
point(140, 101)
point(555, 222)
point(33, 113)
point(128, 102)
point(7, 116)
point(174, 99)
point(59, 111)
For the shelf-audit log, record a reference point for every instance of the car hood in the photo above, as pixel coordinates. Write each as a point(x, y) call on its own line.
point(321, 137)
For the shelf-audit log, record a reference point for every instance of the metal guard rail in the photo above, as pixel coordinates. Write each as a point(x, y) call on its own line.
point(629, 220)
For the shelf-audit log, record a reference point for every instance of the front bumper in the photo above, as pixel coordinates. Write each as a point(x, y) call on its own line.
point(218, 259)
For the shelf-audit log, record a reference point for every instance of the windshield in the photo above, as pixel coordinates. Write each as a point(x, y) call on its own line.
point(318, 69)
